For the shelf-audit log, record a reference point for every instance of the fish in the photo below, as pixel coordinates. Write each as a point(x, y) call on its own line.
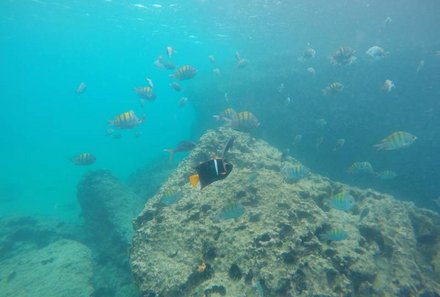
point(231, 211)
point(160, 62)
point(343, 56)
point(170, 196)
point(244, 121)
point(342, 201)
point(170, 51)
point(318, 142)
point(376, 53)
point(364, 213)
point(309, 53)
point(145, 93)
point(395, 141)
point(84, 159)
point(228, 114)
point(216, 71)
point(437, 201)
point(361, 167)
point(297, 140)
point(311, 71)
point(175, 86)
point(420, 66)
point(294, 172)
point(211, 59)
point(126, 120)
point(228, 145)
point(280, 88)
point(210, 171)
point(386, 174)
point(241, 62)
point(150, 82)
point(339, 144)
point(81, 88)
point(184, 72)
point(388, 85)
point(335, 234)
point(387, 21)
point(321, 122)
point(333, 88)
point(183, 146)
point(182, 102)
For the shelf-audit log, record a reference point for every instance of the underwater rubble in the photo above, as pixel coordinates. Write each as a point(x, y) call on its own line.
point(282, 243)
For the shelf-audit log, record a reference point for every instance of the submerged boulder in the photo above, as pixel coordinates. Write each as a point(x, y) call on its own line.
point(61, 269)
point(288, 241)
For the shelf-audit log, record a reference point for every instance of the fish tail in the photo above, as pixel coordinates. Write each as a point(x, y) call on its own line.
point(194, 180)
point(171, 151)
point(324, 92)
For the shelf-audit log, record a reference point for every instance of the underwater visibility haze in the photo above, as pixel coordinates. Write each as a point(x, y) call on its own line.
point(178, 133)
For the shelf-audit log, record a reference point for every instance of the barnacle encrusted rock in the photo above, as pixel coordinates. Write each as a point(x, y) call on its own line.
point(276, 248)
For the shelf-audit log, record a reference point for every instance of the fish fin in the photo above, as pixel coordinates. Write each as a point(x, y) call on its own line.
point(194, 180)
point(171, 151)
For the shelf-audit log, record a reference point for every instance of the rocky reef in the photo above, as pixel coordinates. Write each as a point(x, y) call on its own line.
point(282, 244)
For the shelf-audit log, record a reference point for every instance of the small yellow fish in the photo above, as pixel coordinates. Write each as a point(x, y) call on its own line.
point(333, 88)
point(388, 85)
point(396, 140)
point(244, 121)
point(184, 72)
point(81, 88)
point(84, 159)
point(126, 120)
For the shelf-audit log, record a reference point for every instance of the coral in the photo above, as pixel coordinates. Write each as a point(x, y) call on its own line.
point(276, 248)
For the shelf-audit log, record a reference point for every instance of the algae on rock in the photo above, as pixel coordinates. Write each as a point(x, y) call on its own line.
point(276, 247)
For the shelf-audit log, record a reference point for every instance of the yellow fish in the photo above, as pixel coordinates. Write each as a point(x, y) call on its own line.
point(126, 120)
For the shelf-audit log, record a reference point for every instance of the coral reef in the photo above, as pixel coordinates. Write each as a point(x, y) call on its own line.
point(277, 247)
point(61, 269)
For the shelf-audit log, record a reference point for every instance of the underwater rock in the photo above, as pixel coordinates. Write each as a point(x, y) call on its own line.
point(108, 208)
point(283, 252)
point(61, 269)
point(24, 233)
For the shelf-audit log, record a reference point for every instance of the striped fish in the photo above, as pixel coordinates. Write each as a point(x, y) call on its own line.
point(342, 201)
point(294, 172)
point(231, 211)
point(395, 141)
point(244, 121)
point(184, 72)
point(361, 167)
point(84, 159)
point(335, 234)
point(126, 120)
point(170, 196)
point(333, 88)
point(146, 93)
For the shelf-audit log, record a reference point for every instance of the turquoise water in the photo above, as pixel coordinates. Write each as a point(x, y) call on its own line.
point(48, 47)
